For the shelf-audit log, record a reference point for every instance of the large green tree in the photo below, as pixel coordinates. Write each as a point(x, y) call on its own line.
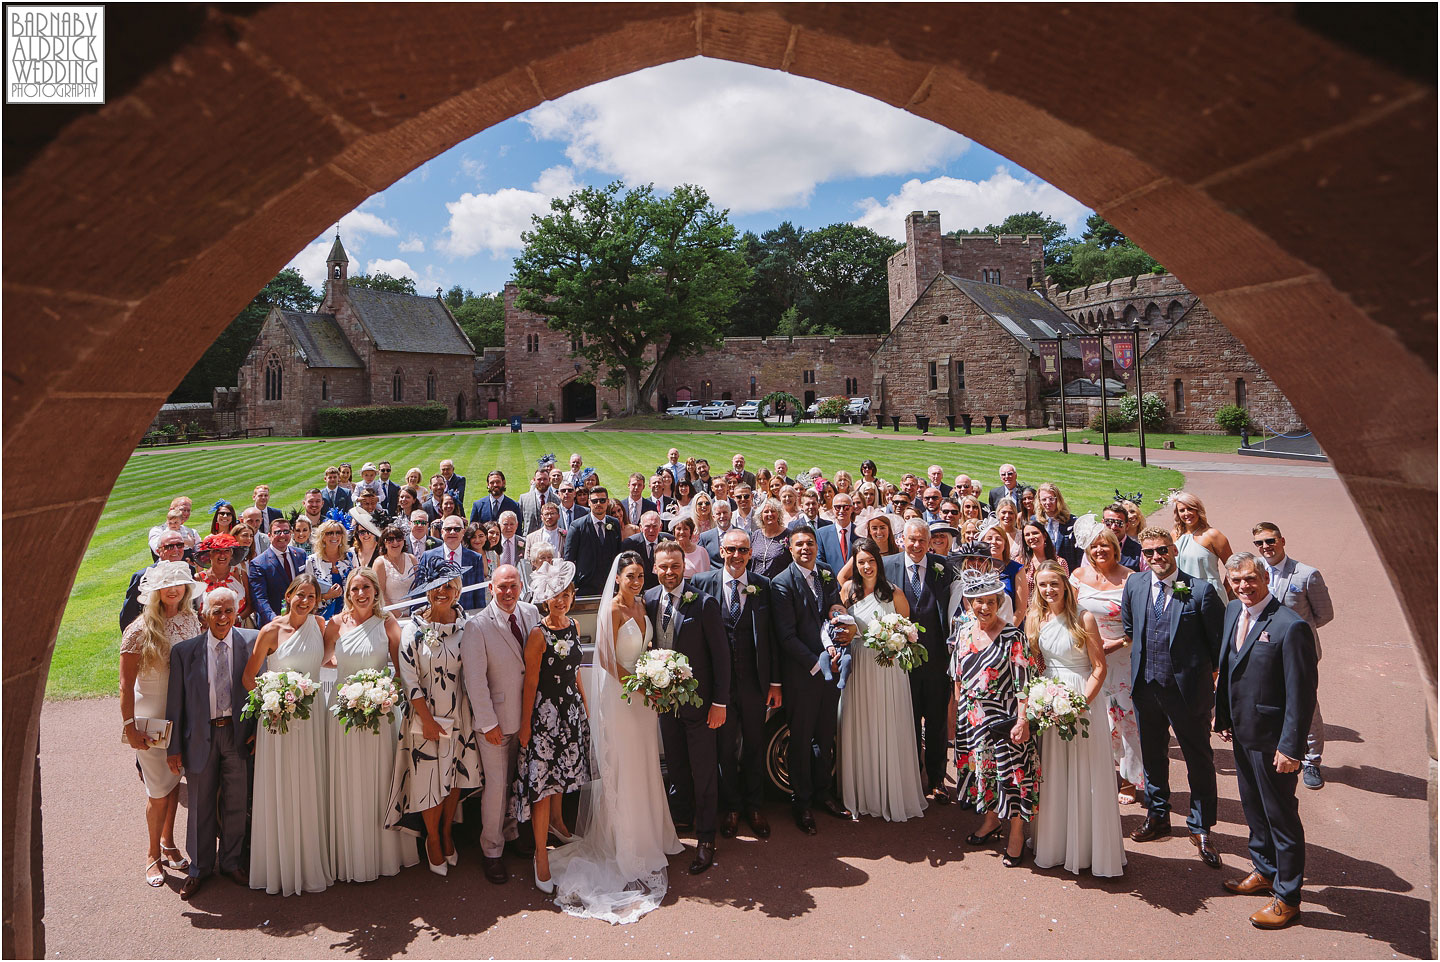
point(1101, 253)
point(219, 366)
point(481, 316)
point(637, 279)
point(380, 281)
point(777, 263)
point(846, 279)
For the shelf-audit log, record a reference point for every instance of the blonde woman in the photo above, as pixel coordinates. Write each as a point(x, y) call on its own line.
point(971, 509)
point(1134, 519)
point(1078, 824)
point(703, 512)
point(415, 478)
point(1052, 514)
point(167, 617)
point(1007, 513)
point(329, 564)
point(867, 495)
point(844, 484)
point(1200, 549)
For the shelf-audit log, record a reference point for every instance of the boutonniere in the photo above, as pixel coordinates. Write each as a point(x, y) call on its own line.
point(430, 637)
point(609, 524)
point(688, 597)
point(1181, 591)
point(938, 568)
point(826, 576)
point(562, 646)
point(751, 590)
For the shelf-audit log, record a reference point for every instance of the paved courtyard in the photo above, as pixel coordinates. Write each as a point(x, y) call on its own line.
point(856, 890)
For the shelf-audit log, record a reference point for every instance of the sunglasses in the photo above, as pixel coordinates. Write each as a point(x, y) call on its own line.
point(1155, 552)
point(1114, 523)
point(1265, 542)
point(177, 544)
point(452, 530)
point(395, 538)
point(384, 470)
point(731, 550)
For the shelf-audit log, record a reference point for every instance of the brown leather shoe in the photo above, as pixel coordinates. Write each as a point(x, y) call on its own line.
point(1208, 855)
point(1276, 915)
point(1152, 828)
point(835, 808)
point(759, 823)
point(704, 857)
point(495, 869)
point(730, 824)
point(806, 821)
point(191, 886)
point(239, 876)
point(1252, 884)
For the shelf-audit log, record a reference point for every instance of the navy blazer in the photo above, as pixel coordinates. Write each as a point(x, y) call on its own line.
point(636, 543)
point(751, 635)
point(339, 498)
point(1130, 554)
point(132, 608)
point(482, 512)
point(187, 703)
point(937, 584)
point(391, 501)
point(796, 622)
point(710, 541)
point(473, 600)
point(457, 484)
point(592, 556)
point(1195, 624)
point(645, 505)
point(827, 541)
point(269, 582)
point(699, 636)
point(1266, 691)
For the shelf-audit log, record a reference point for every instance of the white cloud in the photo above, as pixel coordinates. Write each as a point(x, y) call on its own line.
point(412, 245)
point(393, 266)
point(472, 168)
point(755, 139)
point(964, 204)
point(355, 227)
point(493, 222)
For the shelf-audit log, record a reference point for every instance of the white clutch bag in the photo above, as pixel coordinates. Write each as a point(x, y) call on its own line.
point(155, 730)
point(447, 726)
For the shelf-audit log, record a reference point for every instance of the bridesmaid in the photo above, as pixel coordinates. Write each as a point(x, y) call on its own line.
point(434, 763)
point(362, 764)
point(289, 822)
point(1200, 548)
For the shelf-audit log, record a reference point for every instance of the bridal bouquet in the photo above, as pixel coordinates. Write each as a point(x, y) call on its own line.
point(1051, 703)
point(279, 697)
point(663, 677)
point(895, 640)
point(365, 698)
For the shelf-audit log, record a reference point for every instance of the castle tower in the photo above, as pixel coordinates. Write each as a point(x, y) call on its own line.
point(337, 270)
point(911, 269)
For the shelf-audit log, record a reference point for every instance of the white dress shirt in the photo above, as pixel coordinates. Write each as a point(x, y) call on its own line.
point(222, 670)
point(1168, 582)
point(729, 580)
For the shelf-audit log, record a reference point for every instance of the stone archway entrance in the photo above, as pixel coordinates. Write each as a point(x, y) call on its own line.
point(1232, 171)
point(577, 401)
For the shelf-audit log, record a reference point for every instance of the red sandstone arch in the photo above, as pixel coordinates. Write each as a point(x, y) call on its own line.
point(231, 139)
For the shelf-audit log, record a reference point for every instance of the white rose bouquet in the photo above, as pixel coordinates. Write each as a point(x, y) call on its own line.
point(895, 640)
point(279, 697)
point(663, 677)
point(366, 698)
point(1052, 703)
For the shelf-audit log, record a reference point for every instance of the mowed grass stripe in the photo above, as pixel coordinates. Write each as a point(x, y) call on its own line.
point(84, 662)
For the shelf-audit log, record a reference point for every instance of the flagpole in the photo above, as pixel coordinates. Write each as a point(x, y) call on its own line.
point(1139, 396)
point(1064, 415)
point(1104, 408)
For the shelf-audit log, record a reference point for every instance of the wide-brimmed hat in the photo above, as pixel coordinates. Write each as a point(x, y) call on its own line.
point(164, 574)
point(550, 580)
point(365, 520)
point(214, 542)
point(431, 573)
point(863, 519)
point(944, 527)
point(977, 584)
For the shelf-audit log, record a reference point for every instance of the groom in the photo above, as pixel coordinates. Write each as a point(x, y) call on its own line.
point(690, 622)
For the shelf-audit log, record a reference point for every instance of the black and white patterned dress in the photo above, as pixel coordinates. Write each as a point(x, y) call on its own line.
point(995, 774)
point(557, 759)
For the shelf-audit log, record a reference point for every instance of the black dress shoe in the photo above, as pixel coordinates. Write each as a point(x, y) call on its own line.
point(730, 824)
point(759, 823)
point(239, 876)
point(806, 821)
point(704, 857)
point(835, 808)
point(1208, 855)
point(495, 870)
point(191, 886)
point(522, 846)
point(940, 796)
point(1153, 827)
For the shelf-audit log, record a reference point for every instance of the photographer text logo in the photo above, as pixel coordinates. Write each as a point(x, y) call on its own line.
point(54, 54)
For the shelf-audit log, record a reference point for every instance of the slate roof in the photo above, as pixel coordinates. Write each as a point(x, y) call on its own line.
point(321, 340)
point(1024, 314)
point(408, 323)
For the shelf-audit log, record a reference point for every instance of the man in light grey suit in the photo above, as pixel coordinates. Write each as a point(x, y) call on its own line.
point(531, 501)
point(210, 739)
point(492, 653)
point(511, 549)
point(1301, 589)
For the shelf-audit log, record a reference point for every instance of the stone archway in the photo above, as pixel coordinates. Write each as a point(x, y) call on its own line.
point(141, 227)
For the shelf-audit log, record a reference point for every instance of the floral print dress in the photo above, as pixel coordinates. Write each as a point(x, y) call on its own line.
point(995, 773)
point(557, 759)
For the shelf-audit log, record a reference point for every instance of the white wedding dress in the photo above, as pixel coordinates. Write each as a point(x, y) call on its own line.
point(616, 870)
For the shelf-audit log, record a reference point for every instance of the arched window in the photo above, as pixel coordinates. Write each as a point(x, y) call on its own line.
point(430, 381)
point(1152, 314)
point(1175, 310)
point(397, 386)
point(272, 378)
point(1240, 393)
point(1131, 315)
point(943, 318)
point(1109, 316)
point(1179, 396)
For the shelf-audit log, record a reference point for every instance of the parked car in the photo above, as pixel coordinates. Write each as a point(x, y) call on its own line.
point(686, 409)
point(718, 409)
point(858, 405)
point(750, 409)
point(814, 409)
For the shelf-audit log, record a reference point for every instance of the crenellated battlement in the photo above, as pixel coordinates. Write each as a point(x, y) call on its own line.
point(1009, 260)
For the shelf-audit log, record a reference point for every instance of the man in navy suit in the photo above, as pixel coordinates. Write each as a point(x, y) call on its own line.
point(1264, 697)
point(804, 597)
point(497, 503)
point(690, 622)
point(637, 504)
point(925, 578)
point(570, 506)
point(645, 542)
point(710, 540)
point(592, 544)
point(432, 504)
point(334, 495)
point(210, 740)
point(936, 474)
point(390, 500)
point(261, 498)
point(744, 600)
point(453, 481)
point(1116, 519)
point(1009, 487)
point(1062, 533)
point(1173, 623)
point(272, 572)
point(452, 532)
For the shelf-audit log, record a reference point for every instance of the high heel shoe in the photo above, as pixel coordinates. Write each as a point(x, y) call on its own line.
point(442, 868)
point(1013, 861)
point(562, 839)
point(454, 857)
point(985, 839)
point(547, 886)
point(179, 864)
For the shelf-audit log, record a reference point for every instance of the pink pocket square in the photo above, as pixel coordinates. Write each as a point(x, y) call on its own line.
point(1265, 637)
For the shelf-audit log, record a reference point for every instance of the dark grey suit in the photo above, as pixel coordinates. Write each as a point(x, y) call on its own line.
point(217, 759)
point(811, 703)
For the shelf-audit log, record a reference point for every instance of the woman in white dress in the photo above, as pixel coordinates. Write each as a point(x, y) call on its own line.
point(1200, 549)
point(167, 617)
point(362, 764)
point(289, 821)
point(1078, 824)
point(1098, 589)
point(617, 869)
point(879, 766)
point(393, 568)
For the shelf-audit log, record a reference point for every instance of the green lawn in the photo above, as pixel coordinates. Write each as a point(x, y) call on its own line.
point(655, 422)
point(1213, 443)
point(85, 662)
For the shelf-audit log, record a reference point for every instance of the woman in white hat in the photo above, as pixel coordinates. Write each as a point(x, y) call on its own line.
point(166, 591)
point(554, 722)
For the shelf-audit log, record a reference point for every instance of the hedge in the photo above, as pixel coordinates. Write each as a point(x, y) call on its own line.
point(477, 424)
point(379, 419)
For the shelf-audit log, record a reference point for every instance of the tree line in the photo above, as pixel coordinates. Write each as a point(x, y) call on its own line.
point(1100, 253)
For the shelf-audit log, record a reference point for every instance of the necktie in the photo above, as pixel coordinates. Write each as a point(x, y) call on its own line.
point(600, 530)
point(495, 509)
point(844, 551)
point(1242, 628)
point(515, 630)
point(1159, 606)
point(510, 554)
point(915, 580)
point(650, 552)
point(735, 599)
point(452, 555)
point(285, 560)
point(814, 582)
point(667, 614)
point(220, 678)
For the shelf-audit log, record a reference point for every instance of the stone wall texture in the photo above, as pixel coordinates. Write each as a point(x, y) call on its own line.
point(1011, 260)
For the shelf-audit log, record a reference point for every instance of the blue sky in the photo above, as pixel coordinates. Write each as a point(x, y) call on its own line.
point(767, 145)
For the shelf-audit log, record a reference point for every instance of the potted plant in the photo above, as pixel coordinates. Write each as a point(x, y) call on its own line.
point(550, 412)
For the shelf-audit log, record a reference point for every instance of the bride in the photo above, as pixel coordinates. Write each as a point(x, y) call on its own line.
point(616, 870)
